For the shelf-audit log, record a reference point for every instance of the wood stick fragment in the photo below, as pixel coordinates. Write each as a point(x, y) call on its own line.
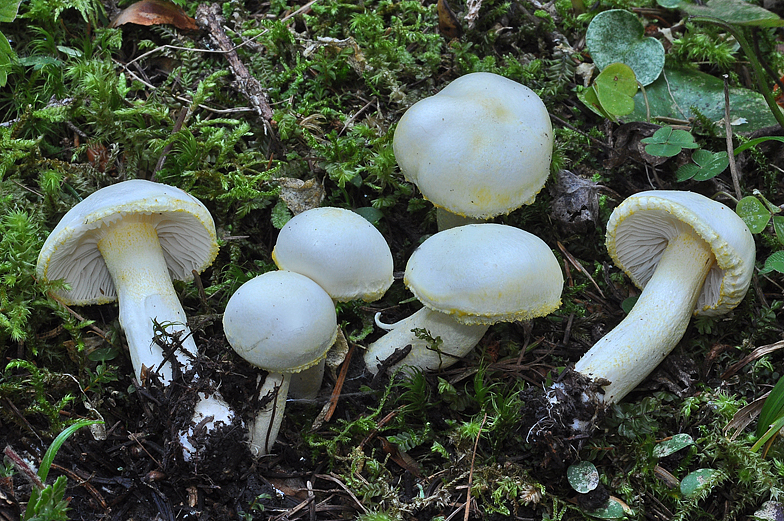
point(209, 17)
point(730, 148)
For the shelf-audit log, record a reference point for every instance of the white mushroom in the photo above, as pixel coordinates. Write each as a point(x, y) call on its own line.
point(468, 278)
point(690, 255)
point(342, 252)
point(481, 147)
point(126, 242)
point(284, 323)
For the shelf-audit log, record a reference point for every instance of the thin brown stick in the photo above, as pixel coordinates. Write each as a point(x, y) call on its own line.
point(76, 315)
point(209, 16)
point(730, 147)
point(333, 400)
point(164, 154)
point(83, 482)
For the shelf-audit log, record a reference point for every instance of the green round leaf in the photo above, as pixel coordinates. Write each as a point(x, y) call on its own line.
point(773, 263)
point(615, 89)
point(673, 445)
point(753, 213)
point(373, 215)
point(684, 94)
point(668, 142)
point(708, 165)
point(614, 509)
point(583, 476)
point(589, 98)
point(711, 164)
point(669, 4)
point(699, 482)
point(686, 172)
point(618, 36)
point(778, 227)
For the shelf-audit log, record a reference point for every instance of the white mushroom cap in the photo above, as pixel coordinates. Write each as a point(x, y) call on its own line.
point(340, 250)
point(481, 147)
point(280, 321)
point(641, 226)
point(184, 226)
point(486, 273)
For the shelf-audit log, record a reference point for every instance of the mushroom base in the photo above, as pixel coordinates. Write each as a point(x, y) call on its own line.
point(263, 429)
point(457, 341)
point(559, 420)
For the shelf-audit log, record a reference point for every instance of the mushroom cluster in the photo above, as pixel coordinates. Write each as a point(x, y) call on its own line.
point(479, 148)
point(284, 322)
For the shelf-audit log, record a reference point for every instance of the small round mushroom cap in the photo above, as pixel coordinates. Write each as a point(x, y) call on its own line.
point(486, 273)
point(340, 250)
point(280, 321)
point(184, 226)
point(641, 226)
point(481, 147)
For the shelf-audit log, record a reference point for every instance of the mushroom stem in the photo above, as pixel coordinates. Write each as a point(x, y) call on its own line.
point(458, 340)
point(133, 255)
point(628, 353)
point(264, 429)
point(306, 384)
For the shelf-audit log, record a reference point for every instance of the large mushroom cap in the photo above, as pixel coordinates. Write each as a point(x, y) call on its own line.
point(280, 321)
point(340, 250)
point(184, 226)
point(641, 226)
point(486, 273)
point(481, 147)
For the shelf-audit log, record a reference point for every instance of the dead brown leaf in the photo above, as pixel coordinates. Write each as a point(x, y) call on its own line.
point(448, 24)
point(155, 12)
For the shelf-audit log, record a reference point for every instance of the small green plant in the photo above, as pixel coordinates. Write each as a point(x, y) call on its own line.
point(668, 142)
point(771, 418)
point(47, 502)
point(7, 55)
point(707, 165)
point(612, 92)
point(757, 212)
point(36, 382)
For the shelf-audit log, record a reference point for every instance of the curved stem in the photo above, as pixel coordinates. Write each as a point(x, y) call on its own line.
point(457, 341)
point(263, 430)
point(134, 257)
point(628, 353)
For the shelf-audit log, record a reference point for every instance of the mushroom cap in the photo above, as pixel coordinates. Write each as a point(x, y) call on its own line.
point(486, 273)
point(340, 250)
point(481, 147)
point(184, 226)
point(641, 226)
point(281, 321)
